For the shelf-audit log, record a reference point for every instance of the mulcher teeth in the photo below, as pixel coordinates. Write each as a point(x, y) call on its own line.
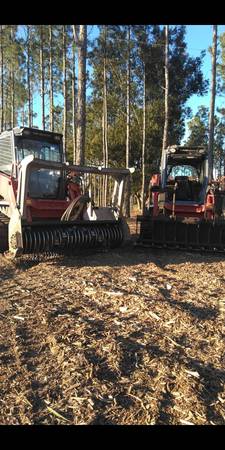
point(203, 236)
point(54, 240)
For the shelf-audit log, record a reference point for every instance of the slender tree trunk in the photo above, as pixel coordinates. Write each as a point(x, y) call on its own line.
point(51, 94)
point(64, 91)
point(2, 77)
point(212, 103)
point(12, 99)
point(128, 191)
point(143, 143)
point(165, 131)
point(31, 103)
point(6, 106)
point(106, 103)
point(81, 99)
point(42, 77)
point(165, 134)
point(103, 131)
point(23, 116)
point(220, 162)
point(12, 86)
point(73, 79)
point(28, 76)
point(105, 118)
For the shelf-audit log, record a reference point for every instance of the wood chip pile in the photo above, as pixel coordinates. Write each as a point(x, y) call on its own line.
point(134, 336)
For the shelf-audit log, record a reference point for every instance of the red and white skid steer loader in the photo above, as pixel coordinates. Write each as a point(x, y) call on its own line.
point(49, 206)
point(184, 210)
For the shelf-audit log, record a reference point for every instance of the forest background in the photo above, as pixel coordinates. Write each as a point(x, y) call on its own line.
point(103, 88)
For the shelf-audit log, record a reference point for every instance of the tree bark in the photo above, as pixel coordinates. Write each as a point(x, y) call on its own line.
point(105, 111)
point(73, 79)
point(23, 116)
point(12, 99)
point(28, 77)
point(6, 94)
point(166, 122)
point(51, 94)
point(42, 77)
point(105, 118)
point(2, 77)
point(81, 98)
point(212, 103)
point(128, 190)
point(143, 143)
point(12, 85)
point(64, 91)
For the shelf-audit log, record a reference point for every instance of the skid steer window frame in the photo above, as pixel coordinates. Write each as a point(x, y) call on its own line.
point(52, 183)
point(21, 143)
point(184, 166)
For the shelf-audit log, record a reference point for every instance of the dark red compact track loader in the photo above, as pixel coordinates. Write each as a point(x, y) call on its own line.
point(184, 210)
point(49, 206)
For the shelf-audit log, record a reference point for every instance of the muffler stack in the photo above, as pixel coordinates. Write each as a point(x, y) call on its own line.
point(60, 238)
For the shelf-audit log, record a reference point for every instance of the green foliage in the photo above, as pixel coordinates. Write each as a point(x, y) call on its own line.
point(146, 49)
point(199, 129)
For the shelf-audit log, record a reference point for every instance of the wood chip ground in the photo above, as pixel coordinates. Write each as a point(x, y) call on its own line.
point(131, 336)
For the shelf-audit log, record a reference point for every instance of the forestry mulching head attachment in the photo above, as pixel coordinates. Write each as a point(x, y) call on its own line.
point(184, 209)
point(48, 206)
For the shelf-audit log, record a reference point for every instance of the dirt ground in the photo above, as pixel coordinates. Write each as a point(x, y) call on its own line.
point(134, 336)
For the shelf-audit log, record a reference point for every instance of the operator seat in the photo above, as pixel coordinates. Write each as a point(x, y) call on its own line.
point(183, 191)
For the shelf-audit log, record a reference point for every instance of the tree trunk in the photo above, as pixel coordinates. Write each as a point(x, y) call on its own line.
point(64, 91)
point(23, 116)
point(12, 99)
point(73, 79)
point(42, 77)
point(105, 118)
point(2, 77)
point(51, 94)
point(128, 190)
point(12, 86)
point(212, 103)
point(31, 103)
point(220, 162)
point(143, 144)
point(165, 131)
point(81, 99)
point(6, 94)
point(28, 76)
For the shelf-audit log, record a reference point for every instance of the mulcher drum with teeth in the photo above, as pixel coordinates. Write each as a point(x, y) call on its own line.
point(40, 238)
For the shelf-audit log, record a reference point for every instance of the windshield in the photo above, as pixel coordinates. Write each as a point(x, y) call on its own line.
point(183, 170)
point(44, 183)
point(49, 151)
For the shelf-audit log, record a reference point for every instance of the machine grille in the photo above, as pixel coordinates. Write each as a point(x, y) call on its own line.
point(5, 153)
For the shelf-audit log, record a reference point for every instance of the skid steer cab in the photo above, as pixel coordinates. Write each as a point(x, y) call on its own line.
point(183, 208)
point(51, 206)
